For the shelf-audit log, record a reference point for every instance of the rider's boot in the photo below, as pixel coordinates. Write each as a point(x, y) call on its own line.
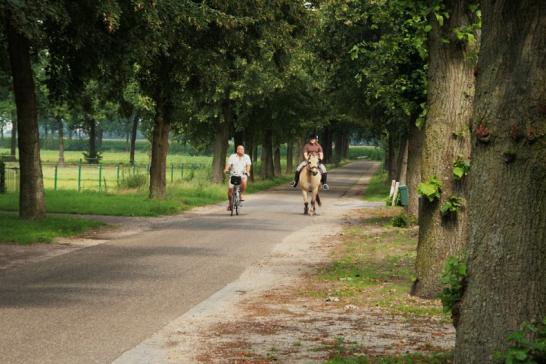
point(323, 179)
point(294, 183)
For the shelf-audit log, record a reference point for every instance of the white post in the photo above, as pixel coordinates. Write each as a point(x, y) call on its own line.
point(395, 194)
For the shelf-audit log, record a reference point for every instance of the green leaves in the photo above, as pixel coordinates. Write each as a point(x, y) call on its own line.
point(453, 276)
point(461, 168)
point(527, 345)
point(451, 206)
point(430, 189)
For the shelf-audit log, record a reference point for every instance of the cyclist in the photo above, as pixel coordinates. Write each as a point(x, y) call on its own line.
point(312, 147)
point(238, 164)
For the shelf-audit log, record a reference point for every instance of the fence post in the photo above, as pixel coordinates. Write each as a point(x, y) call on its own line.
point(55, 177)
point(172, 172)
point(100, 177)
point(117, 174)
point(2, 177)
point(79, 177)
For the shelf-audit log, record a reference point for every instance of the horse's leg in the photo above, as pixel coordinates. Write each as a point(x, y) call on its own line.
point(305, 203)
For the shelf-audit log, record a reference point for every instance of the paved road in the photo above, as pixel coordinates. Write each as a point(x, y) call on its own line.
point(91, 305)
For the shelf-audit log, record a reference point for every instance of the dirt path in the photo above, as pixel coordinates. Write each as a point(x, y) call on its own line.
point(93, 304)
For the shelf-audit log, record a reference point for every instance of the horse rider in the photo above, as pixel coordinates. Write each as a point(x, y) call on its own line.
point(312, 147)
point(238, 164)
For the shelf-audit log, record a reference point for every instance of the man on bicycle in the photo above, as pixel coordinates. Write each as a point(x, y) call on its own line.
point(238, 164)
point(312, 147)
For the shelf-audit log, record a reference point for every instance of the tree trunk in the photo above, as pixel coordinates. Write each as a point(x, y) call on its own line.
point(277, 160)
point(31, 192)
point(160, 148)
point(326, 144)
point(251, 154)
point(13, 146)
point(289, 157)
point(391, 158)
point(134, 129)
point(339, 147)
point(450, 94)
point(267, 154)
point(346, 144)
point(221, 144)
point(415, 146)
point(100, 135)
point(403, 169)
point(238, 139)
point(298, 151)
point(60, 127)
point(506, 283)
point(92, 129)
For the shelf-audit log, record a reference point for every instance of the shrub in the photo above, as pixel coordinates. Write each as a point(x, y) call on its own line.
point(134, 181)
point(402, 221)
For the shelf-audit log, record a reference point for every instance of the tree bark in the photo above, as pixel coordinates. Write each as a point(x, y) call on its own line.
point(339, 147)
point(415, 147)
point(134, 129)
point(346, 144)
point(506, 283)
point(450, 94)
point(289, 157)
point(31, 192)
point(13, 146)
point(221, 141)
point(60, 127)
point(391, 158)
point(160, 148)
point(267, 154)
point(277, 160)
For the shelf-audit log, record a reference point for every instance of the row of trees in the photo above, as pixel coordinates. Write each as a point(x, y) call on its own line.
point(461, 109)
point(203, 72)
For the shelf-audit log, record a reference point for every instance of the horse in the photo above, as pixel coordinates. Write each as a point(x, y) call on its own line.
point(310, 182)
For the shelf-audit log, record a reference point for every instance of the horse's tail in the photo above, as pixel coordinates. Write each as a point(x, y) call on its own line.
point(318, 200)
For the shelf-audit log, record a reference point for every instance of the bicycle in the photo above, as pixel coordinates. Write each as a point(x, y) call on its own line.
point(235, 194)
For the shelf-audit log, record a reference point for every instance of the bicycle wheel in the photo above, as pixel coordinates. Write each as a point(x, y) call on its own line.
point(232, 207)
point(236, 201)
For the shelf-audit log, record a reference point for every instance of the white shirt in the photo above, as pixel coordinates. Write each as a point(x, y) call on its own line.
point(238, 164)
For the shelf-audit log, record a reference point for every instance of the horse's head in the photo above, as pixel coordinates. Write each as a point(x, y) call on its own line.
point(313, 164)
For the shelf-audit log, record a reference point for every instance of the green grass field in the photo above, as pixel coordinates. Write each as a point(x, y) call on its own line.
point(15, 230)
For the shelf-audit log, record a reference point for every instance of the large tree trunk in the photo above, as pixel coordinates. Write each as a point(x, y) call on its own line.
point(450, 95)
point(60, 128)
point(134, 129)
point(267, 154)
point(507, 202)
point(346, 144)
point(277, 160)
point(221, 141)
point(31, 192)
point(13, 146)
point(160, 148)
point(415, 146)
point(289, 157)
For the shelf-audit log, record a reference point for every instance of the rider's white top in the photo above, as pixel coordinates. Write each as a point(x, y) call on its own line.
point(238, 164)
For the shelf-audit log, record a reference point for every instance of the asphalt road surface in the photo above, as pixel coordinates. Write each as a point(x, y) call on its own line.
point(93, 304)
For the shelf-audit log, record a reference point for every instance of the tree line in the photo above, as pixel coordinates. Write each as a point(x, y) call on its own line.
point(454, 89)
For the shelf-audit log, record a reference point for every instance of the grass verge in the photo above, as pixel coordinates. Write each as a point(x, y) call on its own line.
point(374, 266)
point(181, 196)
point(378, 187)
point(23, 232)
